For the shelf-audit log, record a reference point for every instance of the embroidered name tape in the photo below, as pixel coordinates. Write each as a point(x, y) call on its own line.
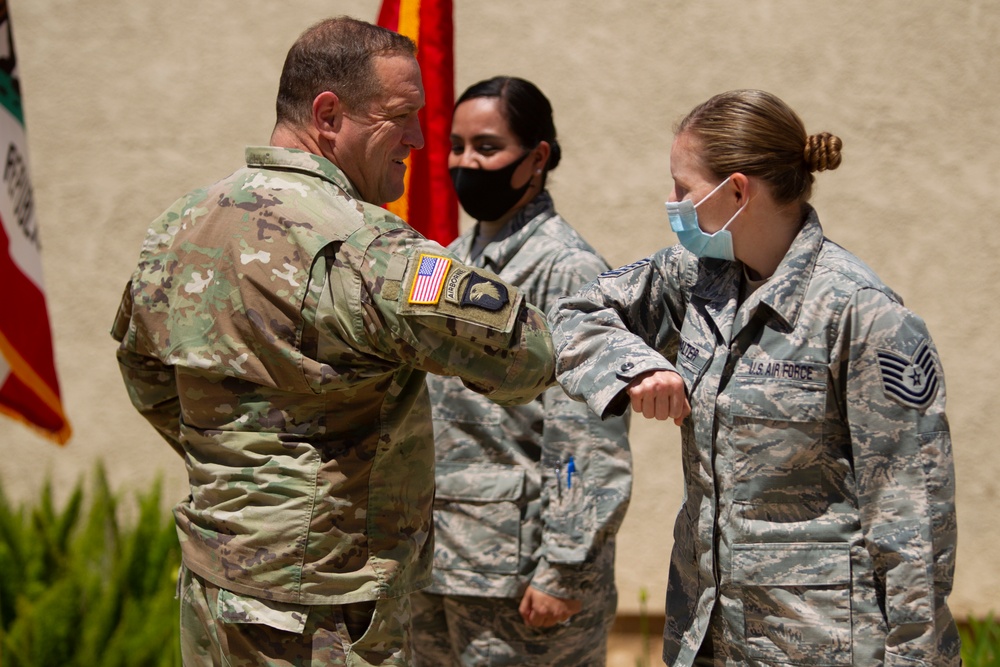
point(912, 382)
point(687, 351)
point(785, 370)
point(430, 277)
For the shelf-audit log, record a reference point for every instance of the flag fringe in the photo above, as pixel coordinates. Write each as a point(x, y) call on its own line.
point(60, 437)
point(24, 372)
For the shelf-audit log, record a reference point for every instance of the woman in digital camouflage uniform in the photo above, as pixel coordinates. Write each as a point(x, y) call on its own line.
point(528, 498)
point(818, 525)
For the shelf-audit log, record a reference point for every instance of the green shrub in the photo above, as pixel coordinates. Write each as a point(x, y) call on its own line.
point(643, 660)
point(981, 642)
point(78, 588)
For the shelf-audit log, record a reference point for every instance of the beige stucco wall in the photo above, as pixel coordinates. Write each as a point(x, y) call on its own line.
point(131, 103)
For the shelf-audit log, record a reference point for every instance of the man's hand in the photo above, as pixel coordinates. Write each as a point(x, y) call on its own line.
point(541, 610)
point(660, 395)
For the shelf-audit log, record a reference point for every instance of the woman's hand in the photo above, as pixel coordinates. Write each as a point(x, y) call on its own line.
point(541, 610)
point(660, 395)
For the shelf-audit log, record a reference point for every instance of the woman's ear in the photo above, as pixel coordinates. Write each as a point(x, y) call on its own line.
point(541, 156)
point(741, 188)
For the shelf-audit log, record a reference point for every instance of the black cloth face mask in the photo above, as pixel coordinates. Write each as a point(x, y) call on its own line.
point(486, 194)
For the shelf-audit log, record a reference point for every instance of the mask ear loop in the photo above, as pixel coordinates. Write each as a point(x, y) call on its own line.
point(740, 210)
point(714, 190)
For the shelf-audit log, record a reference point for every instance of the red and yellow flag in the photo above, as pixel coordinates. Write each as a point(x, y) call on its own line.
point(429, 203)
point(29, 388)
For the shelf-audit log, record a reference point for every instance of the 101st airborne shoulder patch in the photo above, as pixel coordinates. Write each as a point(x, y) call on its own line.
point(912, 382)
point(484, 293)
point(427, 284)
point(467, 287)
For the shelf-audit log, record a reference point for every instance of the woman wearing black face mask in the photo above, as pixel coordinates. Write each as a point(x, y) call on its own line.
point(528, 498)
point(503, 144)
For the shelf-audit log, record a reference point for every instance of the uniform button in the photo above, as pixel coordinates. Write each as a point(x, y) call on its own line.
point(627, 366)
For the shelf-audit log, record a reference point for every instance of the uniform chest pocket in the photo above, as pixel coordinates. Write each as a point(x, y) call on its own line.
point(453, 402)
point(782, 391)
point(775, 428)
point(477, 517)
point(796, 602)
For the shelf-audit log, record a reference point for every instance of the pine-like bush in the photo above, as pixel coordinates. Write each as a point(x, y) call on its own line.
point(981, 642)
point(79, 588)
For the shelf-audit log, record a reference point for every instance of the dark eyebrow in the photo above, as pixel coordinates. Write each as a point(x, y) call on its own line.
point(486, 136)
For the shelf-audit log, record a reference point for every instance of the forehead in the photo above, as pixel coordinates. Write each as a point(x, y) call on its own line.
point(685, 158)
point(480, 115)
point(400, 82)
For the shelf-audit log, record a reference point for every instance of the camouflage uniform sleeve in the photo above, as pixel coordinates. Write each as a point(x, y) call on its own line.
point(577, 522)
point(895, 404)
point(150, 383)
point(613, 330)
point(465, 322)
point(579, 518)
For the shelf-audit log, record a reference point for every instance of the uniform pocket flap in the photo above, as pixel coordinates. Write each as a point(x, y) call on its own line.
point(234, 608)
point(479, 482)
point(780, 390)
point(792, 564)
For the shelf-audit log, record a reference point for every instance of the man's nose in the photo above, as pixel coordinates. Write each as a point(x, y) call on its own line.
point(414, 136)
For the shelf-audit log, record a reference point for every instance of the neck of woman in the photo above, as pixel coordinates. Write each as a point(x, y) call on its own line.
point(488, 229)
point(771, 236)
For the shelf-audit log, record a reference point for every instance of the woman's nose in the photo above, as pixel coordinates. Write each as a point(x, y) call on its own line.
point(468, 159)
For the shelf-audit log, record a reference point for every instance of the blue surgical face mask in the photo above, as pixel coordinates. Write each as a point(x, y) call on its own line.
point(684, 222)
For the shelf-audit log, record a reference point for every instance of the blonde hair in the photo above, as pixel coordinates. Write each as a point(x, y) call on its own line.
point(756, 134)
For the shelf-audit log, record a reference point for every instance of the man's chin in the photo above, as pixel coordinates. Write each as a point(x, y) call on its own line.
point(395, 194)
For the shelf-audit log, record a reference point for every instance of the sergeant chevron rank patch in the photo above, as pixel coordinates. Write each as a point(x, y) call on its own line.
point(912, 382)
point(484, 293)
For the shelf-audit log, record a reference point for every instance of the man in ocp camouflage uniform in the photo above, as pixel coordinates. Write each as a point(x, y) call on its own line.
point(818, 524)
point(277, 332)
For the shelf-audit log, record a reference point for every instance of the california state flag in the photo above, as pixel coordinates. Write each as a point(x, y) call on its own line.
point(29, 389)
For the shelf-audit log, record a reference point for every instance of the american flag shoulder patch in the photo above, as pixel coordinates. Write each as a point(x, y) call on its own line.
point(431, 272)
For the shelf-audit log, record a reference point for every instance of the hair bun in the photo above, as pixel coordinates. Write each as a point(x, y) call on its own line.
point(555, 154)
point(822, 151)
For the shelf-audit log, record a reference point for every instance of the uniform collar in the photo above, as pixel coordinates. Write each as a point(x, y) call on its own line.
point(273, 157)
point(785, 291)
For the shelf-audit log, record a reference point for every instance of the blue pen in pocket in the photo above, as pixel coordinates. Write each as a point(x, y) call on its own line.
point(570, 471)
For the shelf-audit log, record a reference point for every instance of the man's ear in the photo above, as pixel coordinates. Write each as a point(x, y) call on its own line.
point(327, 114)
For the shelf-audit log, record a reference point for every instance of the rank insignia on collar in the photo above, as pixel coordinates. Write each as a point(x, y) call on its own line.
point(432, 271)
point(614, 273)
point(484, 293)
point(912, 382)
